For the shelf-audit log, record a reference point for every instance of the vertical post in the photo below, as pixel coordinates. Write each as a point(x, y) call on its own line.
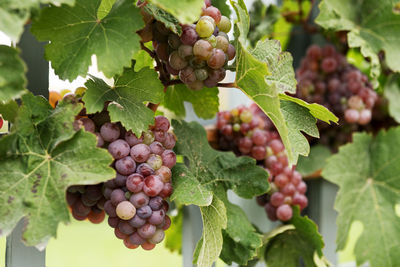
point(32, 52)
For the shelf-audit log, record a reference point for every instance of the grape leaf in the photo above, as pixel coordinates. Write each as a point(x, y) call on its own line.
point(367, 172)
point(9, 110)
point(14, 14)
point(173, 237)
point(222, 6)
point(318, 111)
point(186, 11)
point(241, 240)
point(206, 178)
point(372, 26)
point(166, 18)
point(293, 245)
point(142, 59)
point(41, 157)
point(392, 94)
point(264, 73)
point(126, 98)
point(12, 74)
point(205, 102)
point(74, 39)
point(104, 8)
point(315, 161)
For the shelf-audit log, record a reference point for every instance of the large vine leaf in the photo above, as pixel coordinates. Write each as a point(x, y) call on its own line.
point(9, 110)
point(166, 18)
point(373, 26)
point(14, 14)
point(315, 162)
point(186, 11)
point(126, 98)
point(12, 74)
point(289, 247)
point(205, 102)
point(204, 182)
point(264, 74)
point(75, 38)
point(222, 6)
point(39, 159)
point(367, 172)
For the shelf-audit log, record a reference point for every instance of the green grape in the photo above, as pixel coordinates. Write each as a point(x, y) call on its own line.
point(208, 18)
point(204, 28)
point(197, 63)
point(236, 127)
point(148, 137)
point(212, 40)
point(225, 24)
point(224, 35)
point(222, 43)
point(201, 74)
point(246, 116)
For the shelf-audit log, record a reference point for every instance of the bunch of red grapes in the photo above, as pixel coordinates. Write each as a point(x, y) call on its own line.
point(198, 56)
point(325, 77)
point(248, 131)
point(135, 199)
point(86, 202)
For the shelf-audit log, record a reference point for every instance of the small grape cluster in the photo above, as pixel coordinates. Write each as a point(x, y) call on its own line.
point(86, 202)
point(248, 131)
point(135, 199)
point(199, 55)
point(326, 77)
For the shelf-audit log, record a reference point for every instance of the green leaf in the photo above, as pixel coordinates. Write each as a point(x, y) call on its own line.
point(207, 176)
point(126, 98)
point(392, 94)
point(41, 157)
point(142, 60)
point(74, 39)
point(315, 161)
point(241, 240)
point(372, 26)
point(12, 74)
point(318, 111)
point(289, 246)
point(173, 236)
point(262, 20)
point(209, 246)
point(186, 11)
point(205, 102)
point(223, 7)
point(104, 8)
point(166, 18)
point(9, 110)
point(367, 172)
point(15, 13)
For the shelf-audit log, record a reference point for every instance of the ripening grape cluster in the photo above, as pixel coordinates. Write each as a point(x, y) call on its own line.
point(325, 77)
point(248, 131)
point(135, 199)
point(199, 55)
point(86, 202)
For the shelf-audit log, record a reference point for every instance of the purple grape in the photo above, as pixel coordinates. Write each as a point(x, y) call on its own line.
point(144, 212)
point(156, 203)
point(109, 208)
point(189, 36)
point(145, 170)
point(137, 222)
point(160, 136)
point(168, 158)
point(140, 153)
point(139, 199)
point(161, 123)
point(109, 132)
point(131, 138)
point(157, 217)
point(125, 166)
point(120, 180)
point(187, 75)
point(147, 230)
point(134, 182)
point(117, 196)
point(156, 148)
point(125, 227)
point(170, 141)
point(136, 239)
point(119, 149)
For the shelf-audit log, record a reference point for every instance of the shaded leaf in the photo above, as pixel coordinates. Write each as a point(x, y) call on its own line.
point(166, 18)
point(12, 74)
point(187, 11)
point(315, 161)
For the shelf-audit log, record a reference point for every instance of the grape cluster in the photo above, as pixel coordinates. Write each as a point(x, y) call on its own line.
point(248, 131)
point(135, 199)
point(86, 202)
point(325, 77)
point(199, 55)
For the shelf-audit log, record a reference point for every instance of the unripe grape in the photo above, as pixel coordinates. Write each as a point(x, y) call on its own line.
point(205, 28)
point(187, 75)
point(202, 49)
point(176, 62)
point(222, 43)
point(224, 24)
point(217, 59)
point(185, 51)
point(213, 12)
point(201, 74)
point(125, 210)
